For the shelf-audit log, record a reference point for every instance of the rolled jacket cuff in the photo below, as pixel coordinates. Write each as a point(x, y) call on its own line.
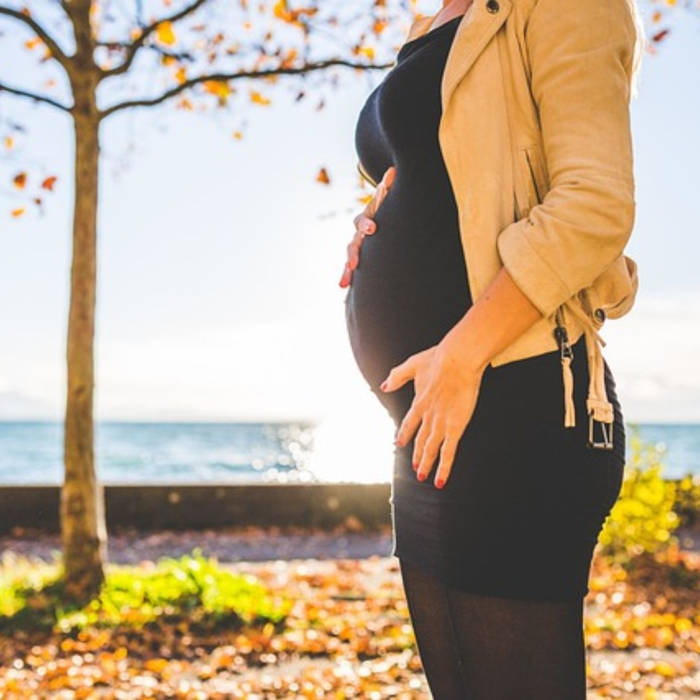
point(530, 271)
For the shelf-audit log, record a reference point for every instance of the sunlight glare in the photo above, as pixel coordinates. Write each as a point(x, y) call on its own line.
point(354, 443)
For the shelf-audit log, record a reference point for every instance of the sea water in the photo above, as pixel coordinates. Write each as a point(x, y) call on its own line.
point(32, 452)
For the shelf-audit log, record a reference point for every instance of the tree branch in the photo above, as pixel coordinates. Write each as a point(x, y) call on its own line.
point(132, 49)
point(55, 49)
point(35, 96)
point(226, 77)
point(116, 45)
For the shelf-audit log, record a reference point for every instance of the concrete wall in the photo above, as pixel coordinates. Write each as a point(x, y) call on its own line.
point(204, 506)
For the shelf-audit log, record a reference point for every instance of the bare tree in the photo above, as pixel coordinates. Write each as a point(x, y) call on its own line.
point(180, 41)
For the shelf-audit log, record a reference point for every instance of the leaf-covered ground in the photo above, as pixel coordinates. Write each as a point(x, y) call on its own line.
point(348, 635)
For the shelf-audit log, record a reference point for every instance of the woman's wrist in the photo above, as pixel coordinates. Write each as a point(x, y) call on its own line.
point(462, 347)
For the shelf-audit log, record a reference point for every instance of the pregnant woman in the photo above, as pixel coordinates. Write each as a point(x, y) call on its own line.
point(465, 319)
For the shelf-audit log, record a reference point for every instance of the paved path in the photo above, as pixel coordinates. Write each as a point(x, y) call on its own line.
point(237, 544)
point(240, 544)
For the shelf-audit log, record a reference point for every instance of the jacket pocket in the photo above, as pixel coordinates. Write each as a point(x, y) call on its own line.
point(613, 292)
point(538, 172)
point(531, 180)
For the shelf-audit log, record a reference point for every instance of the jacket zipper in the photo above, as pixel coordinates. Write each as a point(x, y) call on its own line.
point(566, 355)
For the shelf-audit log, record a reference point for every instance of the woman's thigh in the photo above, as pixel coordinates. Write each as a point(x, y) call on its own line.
point(429, 608)
point(480, 647)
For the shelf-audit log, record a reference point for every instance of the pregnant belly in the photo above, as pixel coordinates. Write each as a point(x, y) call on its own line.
point(410, 286)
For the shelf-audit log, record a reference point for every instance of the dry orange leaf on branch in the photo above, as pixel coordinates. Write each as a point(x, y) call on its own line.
point(32, 43)
point(217, 87)
point(379, 26)
point(258, 99)
point(367, 51)
point(20, 180)
point(282, 11)
point(288, 60)
point(166, 33)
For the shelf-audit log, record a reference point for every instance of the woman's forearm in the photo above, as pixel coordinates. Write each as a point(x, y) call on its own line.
point(499, 316)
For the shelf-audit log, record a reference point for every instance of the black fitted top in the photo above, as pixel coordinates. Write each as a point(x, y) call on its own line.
point(410, 286)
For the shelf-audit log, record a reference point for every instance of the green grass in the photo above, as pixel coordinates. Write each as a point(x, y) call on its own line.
point(192, 589)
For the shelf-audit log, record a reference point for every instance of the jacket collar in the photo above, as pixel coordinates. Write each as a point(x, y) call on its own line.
point(474, 32)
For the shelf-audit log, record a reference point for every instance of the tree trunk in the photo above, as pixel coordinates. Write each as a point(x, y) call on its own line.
point(83, 529)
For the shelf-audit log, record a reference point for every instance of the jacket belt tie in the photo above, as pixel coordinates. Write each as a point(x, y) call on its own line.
point(597, 404)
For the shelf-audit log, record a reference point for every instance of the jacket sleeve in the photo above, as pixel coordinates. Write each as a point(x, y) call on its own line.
point(580, 56)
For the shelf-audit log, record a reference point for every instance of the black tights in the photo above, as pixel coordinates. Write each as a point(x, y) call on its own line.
point(476, 647)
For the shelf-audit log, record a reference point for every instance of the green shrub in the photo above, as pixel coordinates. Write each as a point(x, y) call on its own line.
point(643, 518)
point(192, 588)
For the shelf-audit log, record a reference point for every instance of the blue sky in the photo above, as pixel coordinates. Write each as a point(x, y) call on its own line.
point(219, 259)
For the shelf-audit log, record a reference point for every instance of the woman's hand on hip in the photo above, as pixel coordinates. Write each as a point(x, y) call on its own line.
point(365, 225)
point(446, 384)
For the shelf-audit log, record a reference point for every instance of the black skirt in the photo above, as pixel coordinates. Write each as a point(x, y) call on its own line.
point(526, 498)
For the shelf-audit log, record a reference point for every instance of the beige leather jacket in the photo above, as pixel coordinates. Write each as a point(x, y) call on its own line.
point(535, 134)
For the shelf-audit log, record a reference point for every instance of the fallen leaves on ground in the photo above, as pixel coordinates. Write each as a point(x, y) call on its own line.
point(348, 635)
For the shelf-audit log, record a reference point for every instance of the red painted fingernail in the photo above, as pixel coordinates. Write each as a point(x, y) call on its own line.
point(383, 385)
point(421, 476)
point(440, 483)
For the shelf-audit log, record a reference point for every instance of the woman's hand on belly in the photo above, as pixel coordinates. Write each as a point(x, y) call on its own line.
point(365, 226)
point(446, 392)
point(448, 375)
